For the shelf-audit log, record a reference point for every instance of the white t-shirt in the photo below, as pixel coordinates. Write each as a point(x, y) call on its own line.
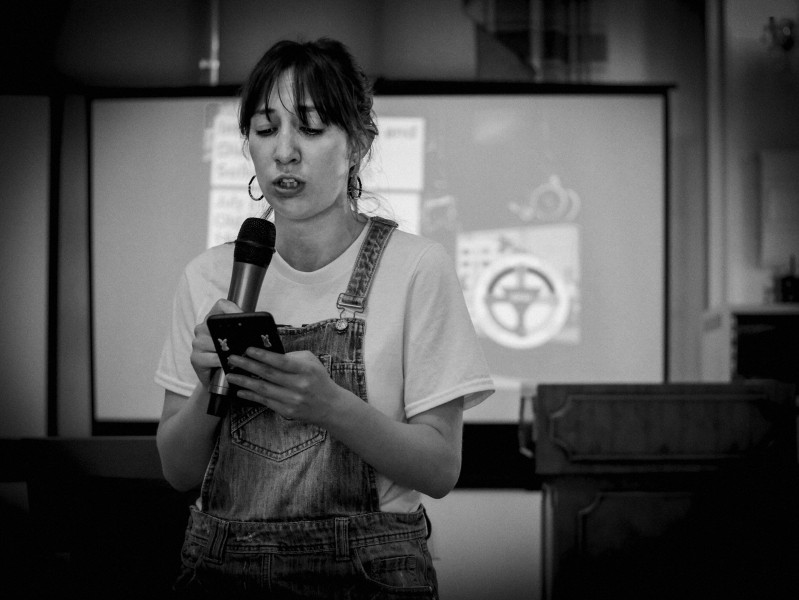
point(420, 348)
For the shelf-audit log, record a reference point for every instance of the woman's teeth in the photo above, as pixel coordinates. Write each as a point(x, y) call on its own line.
point(288, 183)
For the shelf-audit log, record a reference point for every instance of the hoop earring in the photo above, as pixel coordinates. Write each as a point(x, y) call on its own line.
point(355, 188)
point(249, 191)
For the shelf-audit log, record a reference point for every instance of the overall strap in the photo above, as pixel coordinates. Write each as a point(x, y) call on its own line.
point(354, 298)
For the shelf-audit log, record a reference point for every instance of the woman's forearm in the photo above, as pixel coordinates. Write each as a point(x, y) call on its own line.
point(423, 454)
point(185, 438)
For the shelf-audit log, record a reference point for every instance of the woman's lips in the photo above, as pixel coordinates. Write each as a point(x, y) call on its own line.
point(287, 185)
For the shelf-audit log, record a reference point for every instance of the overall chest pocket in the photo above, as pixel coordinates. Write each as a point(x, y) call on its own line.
point(264, 432)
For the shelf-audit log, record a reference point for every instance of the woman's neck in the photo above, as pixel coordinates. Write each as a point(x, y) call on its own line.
point(310, 245)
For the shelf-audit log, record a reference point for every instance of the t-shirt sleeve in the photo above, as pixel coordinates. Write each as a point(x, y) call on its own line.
point(443, 359)
point(174, 371)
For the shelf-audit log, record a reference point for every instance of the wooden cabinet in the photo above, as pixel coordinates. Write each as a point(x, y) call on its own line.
point(668, 491)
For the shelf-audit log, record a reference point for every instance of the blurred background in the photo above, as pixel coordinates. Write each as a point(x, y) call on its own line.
point(731, 68)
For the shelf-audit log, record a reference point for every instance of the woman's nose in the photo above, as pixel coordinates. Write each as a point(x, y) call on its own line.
point(286, 150)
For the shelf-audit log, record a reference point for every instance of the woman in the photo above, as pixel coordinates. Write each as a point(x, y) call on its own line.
point(314, 490)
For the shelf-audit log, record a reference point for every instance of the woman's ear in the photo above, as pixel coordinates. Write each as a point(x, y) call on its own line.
point(366, 147)
point(360, 149)
point(355, 162)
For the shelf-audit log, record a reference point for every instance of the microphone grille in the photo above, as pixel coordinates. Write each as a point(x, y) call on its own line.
point(256, 242)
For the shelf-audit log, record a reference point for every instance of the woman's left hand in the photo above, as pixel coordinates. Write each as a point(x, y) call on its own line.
point(296, 385)
point(423, 453)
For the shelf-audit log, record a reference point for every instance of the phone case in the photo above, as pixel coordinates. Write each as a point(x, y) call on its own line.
point(234, 333)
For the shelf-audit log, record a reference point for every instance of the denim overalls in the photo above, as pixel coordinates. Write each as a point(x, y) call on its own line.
point(288, 511)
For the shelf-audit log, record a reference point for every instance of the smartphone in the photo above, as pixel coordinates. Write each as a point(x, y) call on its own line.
point(235, 332)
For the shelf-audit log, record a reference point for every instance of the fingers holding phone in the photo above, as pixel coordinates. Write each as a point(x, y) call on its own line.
point(204, 358)
point(296, 386)
point(232, 334)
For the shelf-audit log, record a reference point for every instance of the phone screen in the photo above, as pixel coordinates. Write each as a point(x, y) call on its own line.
point(234, 333)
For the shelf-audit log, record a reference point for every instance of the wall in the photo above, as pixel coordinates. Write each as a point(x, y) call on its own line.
point(753, 97)
point(155, 43)
point(24, 248)
point(74, 306)
point(664, 42)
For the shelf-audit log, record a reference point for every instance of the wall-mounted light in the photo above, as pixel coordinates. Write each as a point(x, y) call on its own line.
point(779, 34)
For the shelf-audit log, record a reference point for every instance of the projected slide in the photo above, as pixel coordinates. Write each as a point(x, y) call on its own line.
point(520, 282)
point(551, 206)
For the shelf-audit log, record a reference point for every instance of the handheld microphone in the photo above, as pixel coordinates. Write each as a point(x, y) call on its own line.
point(251, 256)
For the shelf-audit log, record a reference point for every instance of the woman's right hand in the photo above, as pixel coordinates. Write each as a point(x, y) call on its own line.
point(203, 354)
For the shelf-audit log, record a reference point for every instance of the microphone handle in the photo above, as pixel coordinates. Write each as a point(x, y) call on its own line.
point(245, 285)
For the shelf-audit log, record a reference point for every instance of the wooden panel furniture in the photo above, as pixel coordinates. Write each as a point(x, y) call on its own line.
point(668, 491)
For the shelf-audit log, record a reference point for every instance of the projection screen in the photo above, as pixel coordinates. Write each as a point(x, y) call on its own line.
point(552, 206)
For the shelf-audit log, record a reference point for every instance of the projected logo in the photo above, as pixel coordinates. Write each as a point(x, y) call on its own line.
point(523, 301)
point(522, 284)
point(549, 202)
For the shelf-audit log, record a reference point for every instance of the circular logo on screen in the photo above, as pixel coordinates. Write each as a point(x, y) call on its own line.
point(548, 203)
point(522, 301)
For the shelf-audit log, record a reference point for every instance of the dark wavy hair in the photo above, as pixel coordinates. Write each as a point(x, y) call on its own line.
point(325, 72)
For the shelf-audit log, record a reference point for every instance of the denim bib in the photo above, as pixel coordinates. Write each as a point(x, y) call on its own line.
point(287, 507)
point(266, 467)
